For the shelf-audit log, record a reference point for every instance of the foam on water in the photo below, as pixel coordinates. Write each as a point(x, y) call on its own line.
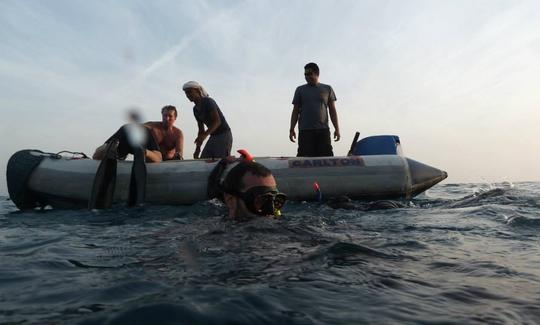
point(460, 253)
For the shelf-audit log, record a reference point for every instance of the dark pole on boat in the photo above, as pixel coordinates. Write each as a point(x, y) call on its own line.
point(353, 144)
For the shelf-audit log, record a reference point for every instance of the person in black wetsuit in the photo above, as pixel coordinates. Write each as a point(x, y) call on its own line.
point(129, 136)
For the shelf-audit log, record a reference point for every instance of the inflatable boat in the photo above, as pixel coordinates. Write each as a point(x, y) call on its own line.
point(375, 169)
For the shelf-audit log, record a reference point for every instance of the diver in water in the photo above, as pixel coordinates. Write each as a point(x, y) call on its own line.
point(250, 190)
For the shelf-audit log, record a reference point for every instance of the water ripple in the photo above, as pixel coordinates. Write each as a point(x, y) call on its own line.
point(460, 254)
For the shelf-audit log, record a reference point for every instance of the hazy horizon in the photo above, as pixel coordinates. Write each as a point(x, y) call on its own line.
point(456, 80)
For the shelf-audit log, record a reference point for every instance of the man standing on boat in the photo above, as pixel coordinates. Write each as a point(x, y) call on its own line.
point(313, 102)
point(207, 113)
point(169, 138)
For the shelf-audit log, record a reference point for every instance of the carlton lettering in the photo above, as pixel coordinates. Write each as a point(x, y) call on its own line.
point(338, 162)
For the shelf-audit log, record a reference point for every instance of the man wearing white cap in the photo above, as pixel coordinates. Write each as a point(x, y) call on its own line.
point(207, 113)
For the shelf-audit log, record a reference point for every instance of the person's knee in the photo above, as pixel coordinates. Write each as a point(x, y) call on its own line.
point(99, 154)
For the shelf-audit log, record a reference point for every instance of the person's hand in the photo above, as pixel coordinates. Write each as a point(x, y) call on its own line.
point(200, 139)
point(292, 135)
point(197, 152)
point(337, 136)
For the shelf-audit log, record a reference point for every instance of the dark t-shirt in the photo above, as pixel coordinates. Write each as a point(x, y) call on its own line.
point(202, 114)
point(124, 148)
point(313, 102)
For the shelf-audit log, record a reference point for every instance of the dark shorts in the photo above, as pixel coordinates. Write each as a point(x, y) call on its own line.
point(124, 148)
point(218, 146)
point(314, 143)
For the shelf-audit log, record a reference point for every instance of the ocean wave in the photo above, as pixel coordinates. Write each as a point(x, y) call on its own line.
point(479, 198)
point(522, 221)
point(440, 255)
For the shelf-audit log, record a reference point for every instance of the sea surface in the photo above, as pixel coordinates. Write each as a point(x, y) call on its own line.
point(458, 254)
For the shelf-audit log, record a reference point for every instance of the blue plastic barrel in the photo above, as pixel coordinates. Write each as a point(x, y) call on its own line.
point(378, 145)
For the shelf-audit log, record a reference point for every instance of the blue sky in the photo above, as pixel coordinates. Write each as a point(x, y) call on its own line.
point(456, 80)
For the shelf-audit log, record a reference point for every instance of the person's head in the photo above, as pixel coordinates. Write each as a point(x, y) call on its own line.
point(168, 115)
point(311, 73)
point(134, 116)
point(250, 190)
point(194, 91)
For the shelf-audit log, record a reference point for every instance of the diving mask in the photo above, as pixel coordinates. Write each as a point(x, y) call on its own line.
point(263, 200)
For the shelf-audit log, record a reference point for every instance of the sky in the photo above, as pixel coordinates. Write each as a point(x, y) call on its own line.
point(456, 80)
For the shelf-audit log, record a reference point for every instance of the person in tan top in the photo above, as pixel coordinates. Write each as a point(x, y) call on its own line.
point(168, 137)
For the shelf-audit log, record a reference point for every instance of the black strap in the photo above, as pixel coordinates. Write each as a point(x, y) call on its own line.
point(214, 180)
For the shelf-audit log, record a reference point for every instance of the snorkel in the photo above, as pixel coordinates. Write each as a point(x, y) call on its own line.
point(318, 192)
point(245, 155)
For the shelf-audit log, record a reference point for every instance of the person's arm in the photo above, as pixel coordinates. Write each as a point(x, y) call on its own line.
point(215, 122)
point(198, 146)
point(180, 146)
point(294, 120)
point(200, 125)
point(334, 118)
point(153, 155)
point(152, 151)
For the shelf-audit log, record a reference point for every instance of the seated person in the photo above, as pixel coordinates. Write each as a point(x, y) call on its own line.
point(250, 190)
point(130, 136)
point(168, 137)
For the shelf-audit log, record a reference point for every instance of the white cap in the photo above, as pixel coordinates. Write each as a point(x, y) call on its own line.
point(196, 85)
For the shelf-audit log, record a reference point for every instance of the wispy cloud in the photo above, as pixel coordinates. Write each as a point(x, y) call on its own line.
point(433, 72)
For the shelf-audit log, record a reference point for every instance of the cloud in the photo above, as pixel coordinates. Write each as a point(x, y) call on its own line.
point(446, 76)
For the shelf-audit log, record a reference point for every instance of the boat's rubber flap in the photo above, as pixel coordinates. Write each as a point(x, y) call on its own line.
point(20, 167)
